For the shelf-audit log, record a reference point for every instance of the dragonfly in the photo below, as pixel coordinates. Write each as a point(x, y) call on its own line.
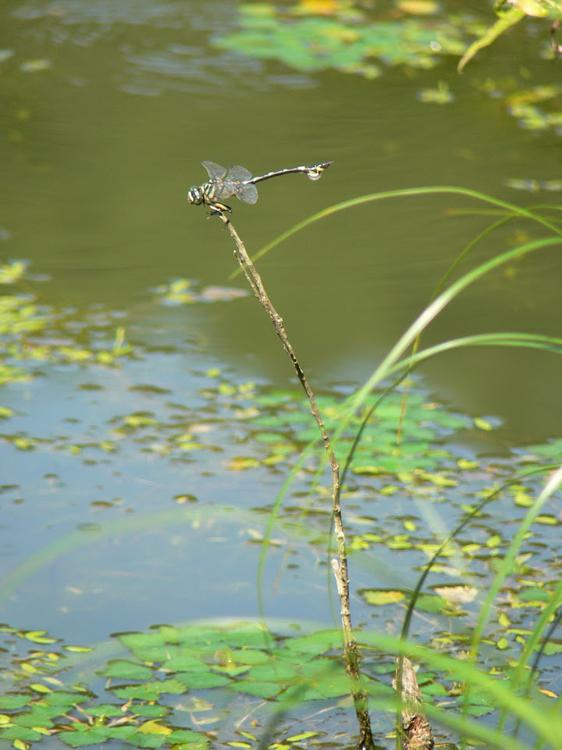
point(238, 181)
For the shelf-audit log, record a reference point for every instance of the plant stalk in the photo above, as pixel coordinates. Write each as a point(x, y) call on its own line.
point(415, 732)
point(340, 566)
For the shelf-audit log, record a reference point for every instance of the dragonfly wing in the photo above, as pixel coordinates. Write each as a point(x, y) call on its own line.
point(247, 193)
point(239, 174)
point(237, 182)
point(215, 171)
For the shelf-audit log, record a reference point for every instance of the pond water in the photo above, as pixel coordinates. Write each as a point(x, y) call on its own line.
point(136, 484)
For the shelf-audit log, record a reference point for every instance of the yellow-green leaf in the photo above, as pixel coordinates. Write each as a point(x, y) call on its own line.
point(382, 596)
point(302, 736)
point(153, 727)
point(483, 424)
point(38, 688)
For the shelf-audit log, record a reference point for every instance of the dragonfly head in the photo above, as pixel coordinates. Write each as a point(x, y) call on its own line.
point(195, 196)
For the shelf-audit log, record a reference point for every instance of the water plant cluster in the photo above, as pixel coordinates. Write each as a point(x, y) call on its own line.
point(352, 39)
point(476, 535)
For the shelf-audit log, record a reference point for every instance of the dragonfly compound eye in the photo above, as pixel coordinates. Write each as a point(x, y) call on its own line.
point(195, 196)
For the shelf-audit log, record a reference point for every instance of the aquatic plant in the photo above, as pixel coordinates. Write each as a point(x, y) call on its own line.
point(478, 680)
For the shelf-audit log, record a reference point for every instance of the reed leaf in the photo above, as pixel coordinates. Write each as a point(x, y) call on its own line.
point(511, 208)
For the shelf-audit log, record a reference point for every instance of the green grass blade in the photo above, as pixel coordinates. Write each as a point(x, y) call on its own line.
point(465, 252)
point(466, 728)
point(498, 212)
point(272, 519)
point(383, 699)
point(509, 339)
point(511, 208)
point(468, 518)
point(474, 512)
point(514, 340)
point(431, 312)
point(540, 719)
point(78, 539)
point(517, 677)
point(507, 565)
point(557, 710)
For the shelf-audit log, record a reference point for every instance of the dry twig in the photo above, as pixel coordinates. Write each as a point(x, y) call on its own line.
point(351, 651)
point(416, 731)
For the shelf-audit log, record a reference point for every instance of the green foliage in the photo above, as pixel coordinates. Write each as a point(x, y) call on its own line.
point(510, 13)
point(143, 700)
point(172, 661)
point(287, 425)
point(315, 36)
point(241, 658)
point(33, 334)
point(537, 108)
point(187, 291)
point(318, 43)
point(441, 94)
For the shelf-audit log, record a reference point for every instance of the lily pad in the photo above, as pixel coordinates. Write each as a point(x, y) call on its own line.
point(318, 43)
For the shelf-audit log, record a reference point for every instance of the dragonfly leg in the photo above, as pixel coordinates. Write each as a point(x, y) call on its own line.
point(219, 209)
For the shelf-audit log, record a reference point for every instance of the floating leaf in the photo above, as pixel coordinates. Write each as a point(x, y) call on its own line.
point(265, 690)
point(154, 727)
point(493, 541)
point(13, 701)
point(104, 710)
point(202, 680)
point(302, 736)
point(38, 636)
point(127, 670)
point(382, 596)
point(242, 463)
point(419, 7)
point(442, 94)
point(151, 711)
point(310, 44)
point(23, 734)
point(432, 603)
point(457, 594)
point(39, 688)
point(150, 691)
point(12, 272)
point(483, 424)
point(35, 66)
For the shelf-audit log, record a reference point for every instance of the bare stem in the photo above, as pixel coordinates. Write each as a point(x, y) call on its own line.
point(340, 566)
point(415, 729)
